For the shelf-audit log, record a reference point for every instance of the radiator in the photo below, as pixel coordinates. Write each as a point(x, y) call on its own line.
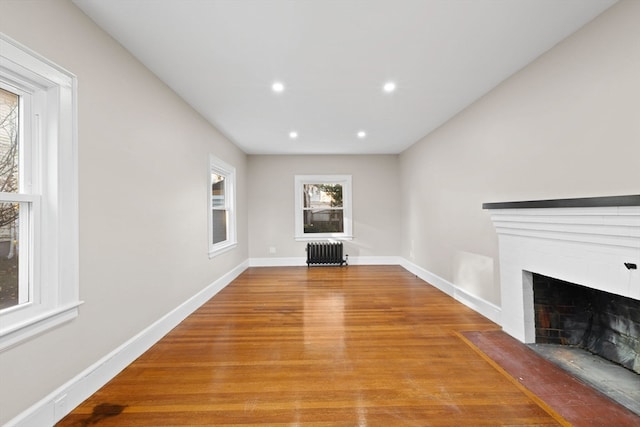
point(325, 253)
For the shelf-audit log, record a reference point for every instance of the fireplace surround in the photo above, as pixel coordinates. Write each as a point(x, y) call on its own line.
point(591, 242)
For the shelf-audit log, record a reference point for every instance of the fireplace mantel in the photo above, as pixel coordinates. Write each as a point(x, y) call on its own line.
point(594, 242)
point(583, 202)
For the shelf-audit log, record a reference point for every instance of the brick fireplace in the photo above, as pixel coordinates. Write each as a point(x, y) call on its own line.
point(590, 242)
point(604, 324)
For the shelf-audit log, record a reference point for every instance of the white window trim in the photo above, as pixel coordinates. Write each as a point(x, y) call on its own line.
point(229, 172)
point(345, 180)
point(54, 224)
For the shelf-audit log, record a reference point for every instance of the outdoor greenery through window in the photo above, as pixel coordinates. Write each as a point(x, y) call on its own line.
point(323, 206)
point(323, 211)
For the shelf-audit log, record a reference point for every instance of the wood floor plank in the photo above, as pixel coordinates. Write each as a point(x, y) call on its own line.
point(321, 346)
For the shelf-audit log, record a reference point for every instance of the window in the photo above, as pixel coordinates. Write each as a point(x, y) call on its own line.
point(38, 195)
point(15, 203)
point(222, 222)
point(323, 207)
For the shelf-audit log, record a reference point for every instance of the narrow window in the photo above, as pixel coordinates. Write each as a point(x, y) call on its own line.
point(222, 223)
point(219, 211)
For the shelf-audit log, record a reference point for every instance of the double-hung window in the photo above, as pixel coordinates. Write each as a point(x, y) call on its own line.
point(323, 207)
point(17, 202)
point(222, 222)
point(38, 194)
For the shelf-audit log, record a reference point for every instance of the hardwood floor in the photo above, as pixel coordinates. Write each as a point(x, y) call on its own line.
point(320, 346)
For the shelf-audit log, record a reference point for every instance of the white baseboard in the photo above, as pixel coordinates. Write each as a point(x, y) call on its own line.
point(485, 308)
point(302, 261)
point(63, 400)
point(374, 260)
point(278, 262)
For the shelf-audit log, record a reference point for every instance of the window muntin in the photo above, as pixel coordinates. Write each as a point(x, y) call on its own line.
point(222, 223)
point(38, 216)
point(323, 206)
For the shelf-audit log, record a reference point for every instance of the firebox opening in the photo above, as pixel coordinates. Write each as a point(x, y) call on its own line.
point(604, 324)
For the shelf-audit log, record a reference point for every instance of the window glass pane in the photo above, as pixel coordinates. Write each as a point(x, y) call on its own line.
point(9, 267)
point(322, 196)
point(322, 212)
point(9, 141)
point(323, 221)
point(217, 190)
point(219, 225)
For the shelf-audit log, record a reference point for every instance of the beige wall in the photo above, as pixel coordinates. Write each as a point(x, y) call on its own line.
point(567, 125)
point(143, 159)
point(375, 203)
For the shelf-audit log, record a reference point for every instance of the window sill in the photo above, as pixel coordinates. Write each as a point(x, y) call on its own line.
point(321, 237)
point(36, 325)
point(222, 249)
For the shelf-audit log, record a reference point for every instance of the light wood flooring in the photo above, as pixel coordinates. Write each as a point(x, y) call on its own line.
point(320, 346)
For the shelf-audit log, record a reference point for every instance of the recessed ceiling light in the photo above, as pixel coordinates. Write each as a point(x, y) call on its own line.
point(293, 134)
point(389, 87)
point(362, 134)
point(277, 87)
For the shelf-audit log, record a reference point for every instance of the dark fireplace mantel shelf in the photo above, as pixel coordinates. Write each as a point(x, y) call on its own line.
point(585, 202)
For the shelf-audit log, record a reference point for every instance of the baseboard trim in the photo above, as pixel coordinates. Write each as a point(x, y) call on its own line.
point(63, 400)
point(278, 262)
point(374, 260)
point(302, 261)
point(487, 309)
point(483, 307)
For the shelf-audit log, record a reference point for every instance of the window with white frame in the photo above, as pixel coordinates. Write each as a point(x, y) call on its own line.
point(323, 207)
point(38, 194)
point(222, 217)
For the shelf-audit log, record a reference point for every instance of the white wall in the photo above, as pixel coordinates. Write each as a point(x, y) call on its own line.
point(143, 159)
point(375, 203)
point(567, 125)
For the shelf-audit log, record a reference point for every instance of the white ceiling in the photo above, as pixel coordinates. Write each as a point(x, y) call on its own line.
point(333, 57)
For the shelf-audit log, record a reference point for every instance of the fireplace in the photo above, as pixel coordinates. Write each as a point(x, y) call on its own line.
point(569, 275)
point(604, 324)
point(593, 242)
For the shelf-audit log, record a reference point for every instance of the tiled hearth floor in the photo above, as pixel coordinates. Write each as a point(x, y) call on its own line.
point(553, 388)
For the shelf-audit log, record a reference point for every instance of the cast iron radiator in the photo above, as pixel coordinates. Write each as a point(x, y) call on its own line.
point(325, 253)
